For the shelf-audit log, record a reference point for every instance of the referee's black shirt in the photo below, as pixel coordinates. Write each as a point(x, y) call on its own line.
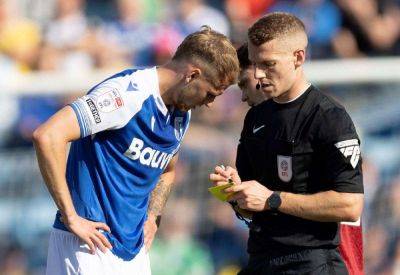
point(305, 146)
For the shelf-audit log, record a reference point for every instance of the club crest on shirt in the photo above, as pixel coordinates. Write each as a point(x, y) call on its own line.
point(285, 171)
point(178, 125)
point(109, 101)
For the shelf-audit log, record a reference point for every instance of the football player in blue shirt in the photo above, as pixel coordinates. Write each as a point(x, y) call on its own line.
point(125, 134)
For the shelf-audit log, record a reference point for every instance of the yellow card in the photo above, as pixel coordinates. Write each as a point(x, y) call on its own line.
point(216, 191)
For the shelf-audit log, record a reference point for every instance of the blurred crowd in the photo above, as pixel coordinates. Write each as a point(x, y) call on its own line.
point(198, 235)
point(45, 35)
point(69, 35)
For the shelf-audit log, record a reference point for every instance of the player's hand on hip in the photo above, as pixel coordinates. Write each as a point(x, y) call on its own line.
point(221, 176)
point(89, 233)
point(149, 229)
point(250, 195)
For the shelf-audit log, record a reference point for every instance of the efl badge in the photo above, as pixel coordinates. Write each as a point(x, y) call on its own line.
point(285, 168)
point(110, 101)
point(178, 125)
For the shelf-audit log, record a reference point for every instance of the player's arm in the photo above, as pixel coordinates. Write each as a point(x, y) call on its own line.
point(50, 141)
point(340, 162)
point(159, 196)
point(328, 206)
point(158, 199)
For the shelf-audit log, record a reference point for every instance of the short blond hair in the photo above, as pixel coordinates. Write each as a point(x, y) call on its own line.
point(273, 26)
point(212, 52)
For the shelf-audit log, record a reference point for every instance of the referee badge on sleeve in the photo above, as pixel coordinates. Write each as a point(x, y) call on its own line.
point(350, 149)
point(285, 171)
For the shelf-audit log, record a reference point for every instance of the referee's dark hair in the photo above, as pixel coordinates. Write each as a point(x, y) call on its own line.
point(276, 25)
point(243, 56)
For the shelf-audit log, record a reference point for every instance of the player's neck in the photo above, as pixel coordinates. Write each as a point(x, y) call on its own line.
point(168, 77)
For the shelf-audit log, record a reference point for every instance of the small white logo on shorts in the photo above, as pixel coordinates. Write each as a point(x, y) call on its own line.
point(285, 168)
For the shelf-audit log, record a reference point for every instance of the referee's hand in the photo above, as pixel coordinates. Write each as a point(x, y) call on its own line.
point(250, 195)
point(221, 176)
point(89, 233)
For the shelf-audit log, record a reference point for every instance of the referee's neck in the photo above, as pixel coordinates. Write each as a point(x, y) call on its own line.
point(297, 89)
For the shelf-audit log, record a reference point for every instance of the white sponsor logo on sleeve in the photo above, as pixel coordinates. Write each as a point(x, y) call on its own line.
point(350, 148)
point(93, 110)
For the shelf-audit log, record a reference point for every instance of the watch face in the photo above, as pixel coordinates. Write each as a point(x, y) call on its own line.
point(274, 201)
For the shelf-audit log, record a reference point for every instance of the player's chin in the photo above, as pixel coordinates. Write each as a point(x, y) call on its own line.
point(183, 108)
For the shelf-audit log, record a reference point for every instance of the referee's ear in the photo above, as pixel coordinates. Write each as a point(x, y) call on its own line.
point(300, 58)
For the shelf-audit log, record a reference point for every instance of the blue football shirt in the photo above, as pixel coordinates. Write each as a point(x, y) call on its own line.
point(128, 137)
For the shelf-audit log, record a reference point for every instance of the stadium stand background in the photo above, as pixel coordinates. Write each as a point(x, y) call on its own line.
point(52, 51)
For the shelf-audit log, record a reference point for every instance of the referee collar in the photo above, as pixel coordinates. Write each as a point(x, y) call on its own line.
point(297, 97)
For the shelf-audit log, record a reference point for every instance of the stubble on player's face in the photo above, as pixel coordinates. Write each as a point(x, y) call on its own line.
point(192, 95)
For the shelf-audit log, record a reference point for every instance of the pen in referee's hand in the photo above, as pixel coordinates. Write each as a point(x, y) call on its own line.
point(229, 179)
point(232, 203)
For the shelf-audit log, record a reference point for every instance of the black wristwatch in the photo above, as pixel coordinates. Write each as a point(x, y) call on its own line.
point(274, 201)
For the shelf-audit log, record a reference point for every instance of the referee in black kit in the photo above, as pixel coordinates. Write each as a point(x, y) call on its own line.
point(298, 160)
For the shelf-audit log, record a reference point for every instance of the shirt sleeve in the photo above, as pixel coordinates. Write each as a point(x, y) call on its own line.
point(108, 106)
point(340, 153)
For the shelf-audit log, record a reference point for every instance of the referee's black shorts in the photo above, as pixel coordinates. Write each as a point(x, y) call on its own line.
point(305, 261)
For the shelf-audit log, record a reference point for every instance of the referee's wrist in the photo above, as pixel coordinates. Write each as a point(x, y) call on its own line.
point(274, 201)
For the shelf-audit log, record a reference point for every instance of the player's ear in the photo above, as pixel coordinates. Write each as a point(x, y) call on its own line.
point(299, 58)
point(192, 74)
